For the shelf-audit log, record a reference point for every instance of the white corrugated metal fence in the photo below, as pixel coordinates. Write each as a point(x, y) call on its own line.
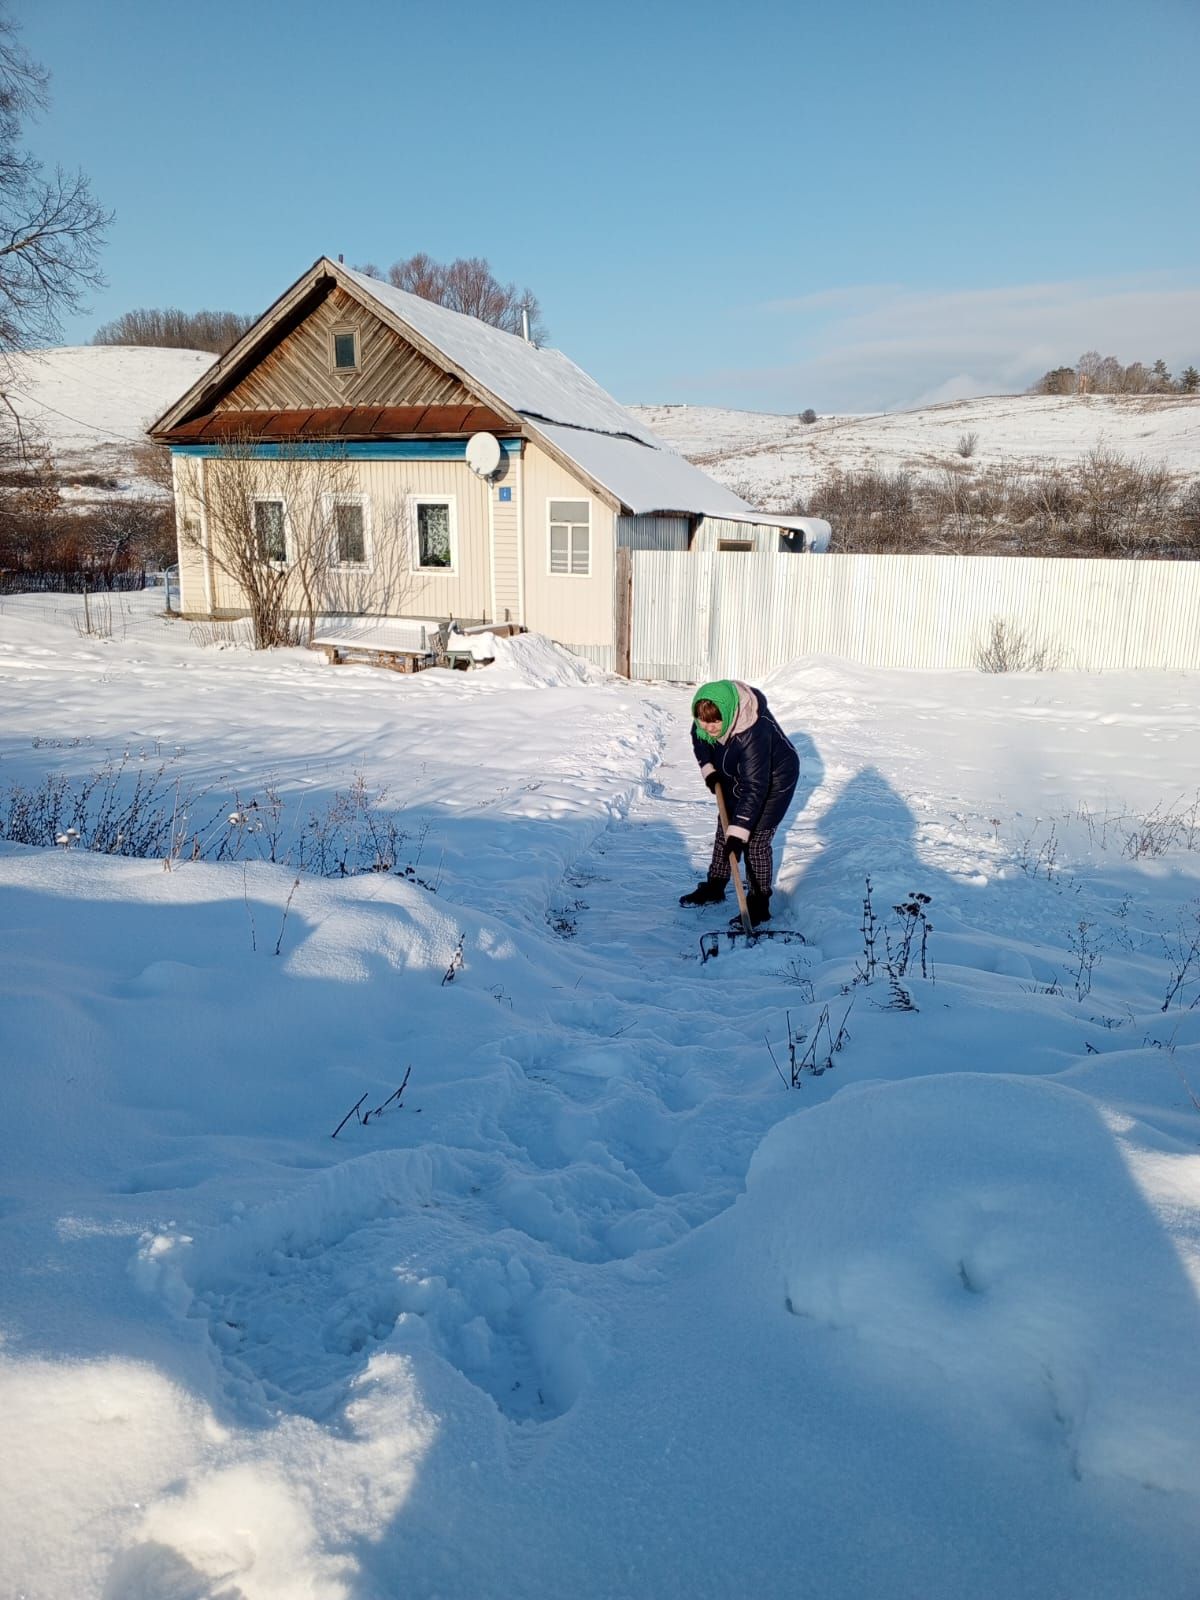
point(707, 614)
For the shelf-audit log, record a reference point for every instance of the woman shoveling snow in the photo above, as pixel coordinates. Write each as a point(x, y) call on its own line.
point(740, 746)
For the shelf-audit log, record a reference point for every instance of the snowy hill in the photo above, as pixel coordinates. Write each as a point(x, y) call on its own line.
point(90, 404)
point(775, 460)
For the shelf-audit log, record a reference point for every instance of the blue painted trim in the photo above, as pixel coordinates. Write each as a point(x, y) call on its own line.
point(353, 450)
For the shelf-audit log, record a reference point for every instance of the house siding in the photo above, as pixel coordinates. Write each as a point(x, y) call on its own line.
point(577, 611)
point(296, 373)
point(387, 585)
point(189, 519)
point(506, 545)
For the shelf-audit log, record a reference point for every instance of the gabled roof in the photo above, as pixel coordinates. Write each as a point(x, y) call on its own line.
point(534, 382)
point(542, 391)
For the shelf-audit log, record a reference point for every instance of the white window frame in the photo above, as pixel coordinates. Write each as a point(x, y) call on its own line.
point(550, 523)
point(448, 500)
point(271, 499)
point(340, 331)
point(332, 501)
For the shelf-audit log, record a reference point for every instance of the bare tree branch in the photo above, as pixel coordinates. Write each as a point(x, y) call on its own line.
point(51, 227)
point(467, 285)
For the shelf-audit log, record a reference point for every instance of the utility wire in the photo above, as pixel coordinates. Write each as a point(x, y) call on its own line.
point(125, 438)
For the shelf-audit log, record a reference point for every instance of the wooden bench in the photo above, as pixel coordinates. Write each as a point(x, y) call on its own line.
point(396, 659)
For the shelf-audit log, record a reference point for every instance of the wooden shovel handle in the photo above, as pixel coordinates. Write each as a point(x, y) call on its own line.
point(733, 861)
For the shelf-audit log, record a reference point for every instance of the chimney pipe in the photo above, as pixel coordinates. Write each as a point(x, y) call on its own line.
point(525, 325)
point(341, 259)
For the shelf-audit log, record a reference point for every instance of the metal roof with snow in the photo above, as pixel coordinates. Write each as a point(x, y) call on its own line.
point(543, 391)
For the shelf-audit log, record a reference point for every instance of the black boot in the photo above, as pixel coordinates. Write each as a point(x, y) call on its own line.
point(759, 906)
point(707, 893)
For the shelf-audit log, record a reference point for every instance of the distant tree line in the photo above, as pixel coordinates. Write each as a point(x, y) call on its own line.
point(169, 328)
point(1097, 374)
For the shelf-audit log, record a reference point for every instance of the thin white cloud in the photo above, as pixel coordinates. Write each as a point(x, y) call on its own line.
point(884, 346)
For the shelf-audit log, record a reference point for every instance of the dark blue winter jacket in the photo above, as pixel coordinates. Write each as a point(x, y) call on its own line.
point(758, 771)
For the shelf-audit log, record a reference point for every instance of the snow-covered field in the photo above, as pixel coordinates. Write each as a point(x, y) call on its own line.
point(91, 404)
point(599, 1306)
point(776, 460)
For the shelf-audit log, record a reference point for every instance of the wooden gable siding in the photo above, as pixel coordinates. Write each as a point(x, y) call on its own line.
point(296, 374)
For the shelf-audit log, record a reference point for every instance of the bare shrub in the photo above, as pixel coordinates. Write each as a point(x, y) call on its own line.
point(808, 416)
point(869, 511)
point(272, 535)
point(96, 621)
point(1124, 506)
point(1164, 828)
point(966, 445)
point(1008, 648)
point(222, 635)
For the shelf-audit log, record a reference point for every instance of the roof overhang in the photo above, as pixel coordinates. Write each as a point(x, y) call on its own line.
point(339, 422)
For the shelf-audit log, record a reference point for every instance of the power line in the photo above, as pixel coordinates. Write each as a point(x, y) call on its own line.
point(78, 421)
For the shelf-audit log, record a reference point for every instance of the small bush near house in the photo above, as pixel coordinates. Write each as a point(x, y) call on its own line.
point(1008, 648)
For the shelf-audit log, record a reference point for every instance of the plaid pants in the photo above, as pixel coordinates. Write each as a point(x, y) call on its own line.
point(760, 864)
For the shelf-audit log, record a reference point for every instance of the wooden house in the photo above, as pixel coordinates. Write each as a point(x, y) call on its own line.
point(372, 396)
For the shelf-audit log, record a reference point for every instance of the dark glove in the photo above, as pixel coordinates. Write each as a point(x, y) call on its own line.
point(736, 846)
point(712, 780)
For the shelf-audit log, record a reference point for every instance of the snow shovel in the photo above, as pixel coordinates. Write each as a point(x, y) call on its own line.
point(710, 943)
point(734, 868)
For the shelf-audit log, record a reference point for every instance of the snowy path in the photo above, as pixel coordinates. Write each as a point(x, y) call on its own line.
point(616, 1123)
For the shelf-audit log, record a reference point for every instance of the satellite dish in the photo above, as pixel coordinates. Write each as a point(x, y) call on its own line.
point(483, 454)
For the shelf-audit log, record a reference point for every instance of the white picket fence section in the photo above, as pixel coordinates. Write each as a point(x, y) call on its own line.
point(702, 615)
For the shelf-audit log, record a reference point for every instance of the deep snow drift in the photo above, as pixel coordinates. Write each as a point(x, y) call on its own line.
point(597, 1305)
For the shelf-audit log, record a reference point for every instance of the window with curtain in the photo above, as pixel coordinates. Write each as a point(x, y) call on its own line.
point(435, 549)
point(350, 536)
point(270, 538)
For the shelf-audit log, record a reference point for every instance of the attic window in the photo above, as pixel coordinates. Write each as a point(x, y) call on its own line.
point(345, 349)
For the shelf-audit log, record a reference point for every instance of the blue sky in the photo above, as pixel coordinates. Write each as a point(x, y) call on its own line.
point(855, 206)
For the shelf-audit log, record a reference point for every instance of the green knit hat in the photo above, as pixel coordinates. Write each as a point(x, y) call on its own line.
point(724, 696)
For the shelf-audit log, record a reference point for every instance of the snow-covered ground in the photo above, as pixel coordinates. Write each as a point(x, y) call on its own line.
point(776, 460)
point(599, 1306)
